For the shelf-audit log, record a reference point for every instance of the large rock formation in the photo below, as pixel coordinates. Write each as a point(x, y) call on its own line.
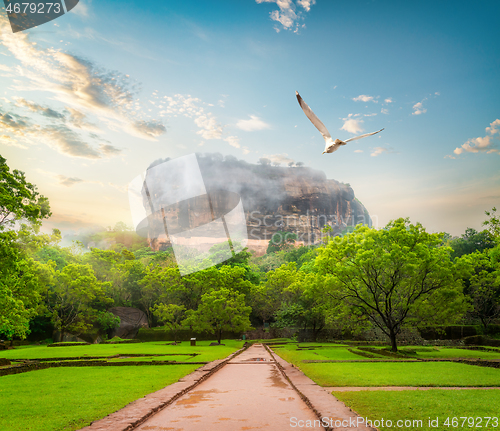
point(131, 320)
point(300, 200)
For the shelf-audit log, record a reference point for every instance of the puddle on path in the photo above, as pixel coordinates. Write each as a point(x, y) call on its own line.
point(277, 379)
point(196, 397)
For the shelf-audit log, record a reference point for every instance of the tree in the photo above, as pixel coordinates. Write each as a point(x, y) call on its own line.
point(471, 241)
point(172, 315)
point(159, 282)
point(21, 287)
point(220, 310)
point(19, 199)
point(493, 224)
point(20, 276)
point(304, 304)
point(77, 300)
point(267, 297)
point(481, 275)
point(393, 276)
point(281, 241)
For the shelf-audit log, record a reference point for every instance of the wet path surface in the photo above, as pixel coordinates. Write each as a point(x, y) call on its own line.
point(249, 393)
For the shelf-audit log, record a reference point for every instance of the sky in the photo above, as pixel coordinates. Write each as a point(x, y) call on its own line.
point(89, 100)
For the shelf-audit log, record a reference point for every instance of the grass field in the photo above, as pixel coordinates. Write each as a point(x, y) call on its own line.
point(401, 374)
point(474, 404)
point(70, 398)
point(338, 352)
point(206, 352)
point(424, 405)
point(449, 352)
point(389, 373)
point(58, 399)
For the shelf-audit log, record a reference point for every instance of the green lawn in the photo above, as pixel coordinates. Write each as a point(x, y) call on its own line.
point(207, 353)
point(422, 405)
point(449, 352)
point(70, 398)
point(400, 374)
point(325, 352)
point(58, 399)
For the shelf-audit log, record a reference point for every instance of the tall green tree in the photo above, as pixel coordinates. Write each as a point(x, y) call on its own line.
point(77, 300)
point(19, 199)
point(21, 287)
point(220, 310)
point(304, 304)
point(471, 241)
point(267, 297)
point(171, 315)
point(481, 275)
point(394, 276)
point(20, 284)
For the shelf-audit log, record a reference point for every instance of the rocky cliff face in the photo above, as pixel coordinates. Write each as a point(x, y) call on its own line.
point(300, 200)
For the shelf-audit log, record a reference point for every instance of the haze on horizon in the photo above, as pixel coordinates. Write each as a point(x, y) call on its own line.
point(90, 100)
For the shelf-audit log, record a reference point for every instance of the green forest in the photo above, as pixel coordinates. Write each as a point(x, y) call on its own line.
point(396, 277)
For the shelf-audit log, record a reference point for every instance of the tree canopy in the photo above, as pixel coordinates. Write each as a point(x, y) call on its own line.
point(393, 276)
point(19, 199)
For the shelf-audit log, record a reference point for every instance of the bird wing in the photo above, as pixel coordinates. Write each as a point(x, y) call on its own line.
point(312, 116)
point(362, 136)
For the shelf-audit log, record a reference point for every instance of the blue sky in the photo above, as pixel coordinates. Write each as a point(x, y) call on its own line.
point(89, 100)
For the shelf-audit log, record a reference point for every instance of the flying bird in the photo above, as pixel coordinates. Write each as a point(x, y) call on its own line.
point(330, 144)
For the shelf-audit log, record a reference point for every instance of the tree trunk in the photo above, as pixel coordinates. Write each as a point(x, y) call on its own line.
point(392, 336)
point(485, 326)
point(219, 335)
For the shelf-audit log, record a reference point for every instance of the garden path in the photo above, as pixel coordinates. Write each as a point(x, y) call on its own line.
point(250, 392)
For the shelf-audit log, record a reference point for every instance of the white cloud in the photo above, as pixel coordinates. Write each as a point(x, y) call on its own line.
point(68, 181)
point(388, 100)
point(352, 125)
point(34, 107)
point(79, 120)
point(486, 144)
point(287, 15)
point(419, 109)
point(11, 142)
point(20, 130)
point(358, 151)
point(494, 127)
point(377, 151)
point(191, 107)
point(384, 111)
point(279, 158)
point(209, 127)
point(252, 125)
point(234, 141)
point(364, 98)
point(146, 129)
point(76, 82)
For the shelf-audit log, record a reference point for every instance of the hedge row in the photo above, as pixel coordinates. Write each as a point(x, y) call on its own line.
point(182, 335)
